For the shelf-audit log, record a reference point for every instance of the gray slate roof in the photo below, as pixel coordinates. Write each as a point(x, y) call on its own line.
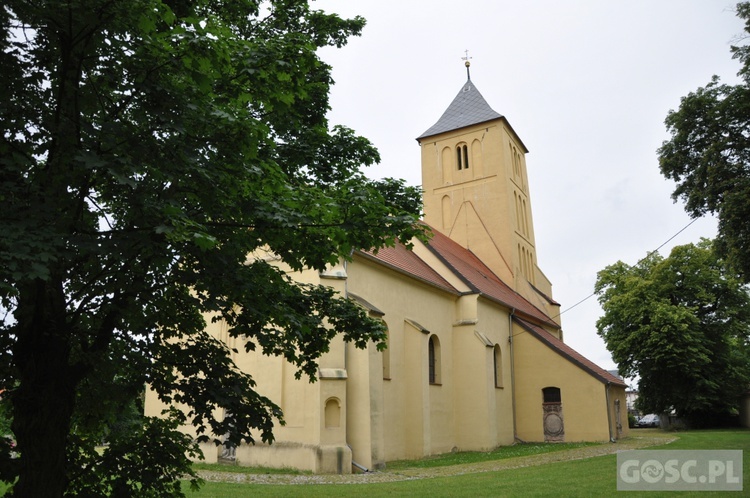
point(468, 108)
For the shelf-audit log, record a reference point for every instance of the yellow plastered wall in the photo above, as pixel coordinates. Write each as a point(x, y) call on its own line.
point(487, 207)
point(416, 416)
point(314, 435)
point(584, 397)
point(482, 407)
point(464, 409)
point(364, 430)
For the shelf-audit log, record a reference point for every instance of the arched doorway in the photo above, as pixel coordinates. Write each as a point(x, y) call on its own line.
point(554, 428)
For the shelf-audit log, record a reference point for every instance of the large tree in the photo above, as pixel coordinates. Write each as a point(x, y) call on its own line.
point(708, 155)
point(682, 325)
point(147, 147)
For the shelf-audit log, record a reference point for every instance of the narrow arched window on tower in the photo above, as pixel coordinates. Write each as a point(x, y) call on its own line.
point(462, 156)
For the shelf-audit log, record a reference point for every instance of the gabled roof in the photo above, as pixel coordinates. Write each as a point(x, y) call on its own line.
point(468, 108)
point(569, 353)
point(405, 261)
point(478, 277)
point(466, 266)
point(481, 279)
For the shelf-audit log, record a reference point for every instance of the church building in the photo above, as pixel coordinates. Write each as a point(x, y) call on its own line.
point(475, 356)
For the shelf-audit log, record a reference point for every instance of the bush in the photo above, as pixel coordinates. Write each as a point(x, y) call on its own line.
point(631, 420)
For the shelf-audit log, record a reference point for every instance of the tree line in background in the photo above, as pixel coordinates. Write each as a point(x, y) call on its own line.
point(147, 148)
point(681, 323)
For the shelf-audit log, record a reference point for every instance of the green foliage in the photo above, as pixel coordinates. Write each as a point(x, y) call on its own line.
point(681, 324)
point(147, 148)
point(631, 420)
point(708, 155)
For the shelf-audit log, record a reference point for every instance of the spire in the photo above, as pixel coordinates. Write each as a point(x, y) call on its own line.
point(468, 108)
point(466, 59)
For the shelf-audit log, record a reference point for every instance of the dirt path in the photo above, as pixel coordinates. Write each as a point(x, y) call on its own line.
point(630, 443)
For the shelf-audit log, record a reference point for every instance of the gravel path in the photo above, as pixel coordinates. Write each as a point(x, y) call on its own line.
point(630, 443)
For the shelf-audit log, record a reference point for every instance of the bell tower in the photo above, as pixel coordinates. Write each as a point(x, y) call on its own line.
point(476, 191)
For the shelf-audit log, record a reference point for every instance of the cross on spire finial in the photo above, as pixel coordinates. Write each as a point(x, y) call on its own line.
point(466, 60)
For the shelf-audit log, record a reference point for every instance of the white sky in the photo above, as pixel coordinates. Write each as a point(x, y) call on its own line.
point(586, 84)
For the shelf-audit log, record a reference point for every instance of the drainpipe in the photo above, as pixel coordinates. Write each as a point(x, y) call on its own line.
point(609, 418)
point(512, 372)
point(346, 296)
point(355, 464)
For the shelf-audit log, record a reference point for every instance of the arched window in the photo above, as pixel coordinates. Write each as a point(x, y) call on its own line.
point(498, 364)
point(514, 157)
point(530, 265)
point(476, 158)
point(433, 354)
point(447, 215)
point(462, 156)
point(525, 218)
point(447, 166)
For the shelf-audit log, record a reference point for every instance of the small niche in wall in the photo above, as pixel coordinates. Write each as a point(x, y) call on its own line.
point(333, 413)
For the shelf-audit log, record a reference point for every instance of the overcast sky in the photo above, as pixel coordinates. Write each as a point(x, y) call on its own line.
point(586, 84)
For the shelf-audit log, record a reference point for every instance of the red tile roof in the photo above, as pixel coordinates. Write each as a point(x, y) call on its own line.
point(571, 354)
point(480, 278)
point(404, 260)
point(465, 265)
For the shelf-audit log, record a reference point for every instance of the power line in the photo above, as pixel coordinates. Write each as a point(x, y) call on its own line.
point(639, 261)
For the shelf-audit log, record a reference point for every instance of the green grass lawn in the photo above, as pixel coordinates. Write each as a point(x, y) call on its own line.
point(501, 453)
point(580, 478)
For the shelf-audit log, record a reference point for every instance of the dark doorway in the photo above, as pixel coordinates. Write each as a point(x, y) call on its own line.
point(554, 428)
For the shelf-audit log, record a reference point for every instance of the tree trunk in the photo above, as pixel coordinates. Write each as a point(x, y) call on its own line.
point(43, 403)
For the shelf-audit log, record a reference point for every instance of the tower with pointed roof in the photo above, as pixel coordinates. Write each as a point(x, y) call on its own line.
point(476, 191)
point(474, 358)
